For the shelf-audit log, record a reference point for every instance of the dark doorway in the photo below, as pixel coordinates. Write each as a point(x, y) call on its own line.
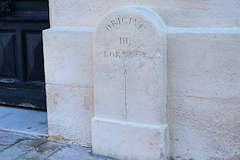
point(21, 52)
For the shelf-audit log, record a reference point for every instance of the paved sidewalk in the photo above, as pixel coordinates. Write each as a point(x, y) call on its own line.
point(17, 146)
point(23, 120)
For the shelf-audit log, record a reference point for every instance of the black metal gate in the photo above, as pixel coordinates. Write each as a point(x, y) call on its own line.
point(21, 52)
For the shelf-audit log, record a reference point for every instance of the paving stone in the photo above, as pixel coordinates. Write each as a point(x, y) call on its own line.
point(23, 120)
point(40, 152)
point(17, 150)
point(9, 138)
point(75, 152)
point(16, 146)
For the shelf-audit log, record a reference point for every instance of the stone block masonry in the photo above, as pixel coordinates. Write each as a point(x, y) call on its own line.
point(202, 68)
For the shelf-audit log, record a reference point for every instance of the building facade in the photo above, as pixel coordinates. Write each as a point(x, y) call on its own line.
point(203, 76)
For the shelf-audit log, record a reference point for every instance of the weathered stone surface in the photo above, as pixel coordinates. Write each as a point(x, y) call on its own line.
point(176, 13)
point(130, 85)
point(68, 69)
point(127, 141)
point(76, 153)
point(67, 56)
point(69, 113)
point(204, 93)
point(42, 151)
point(203, 68)
point(7, 140)
point(25, 147)
point(18, 150)
point(130, 67)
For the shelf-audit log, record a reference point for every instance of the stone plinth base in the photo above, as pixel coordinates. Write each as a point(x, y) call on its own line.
point(129, 141)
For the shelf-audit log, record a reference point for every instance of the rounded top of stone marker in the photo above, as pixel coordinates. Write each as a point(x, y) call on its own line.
point(131, 29)
point(147, 14)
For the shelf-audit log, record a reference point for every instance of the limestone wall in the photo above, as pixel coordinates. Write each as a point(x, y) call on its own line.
point(203, 72)
point(175, 13)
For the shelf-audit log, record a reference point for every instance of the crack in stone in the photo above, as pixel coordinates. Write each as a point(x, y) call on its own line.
point(16, 142)
point(57, 150)
point(125, 94)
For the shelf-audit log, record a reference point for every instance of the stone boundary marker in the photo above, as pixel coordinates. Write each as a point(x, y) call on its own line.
point(130, 119)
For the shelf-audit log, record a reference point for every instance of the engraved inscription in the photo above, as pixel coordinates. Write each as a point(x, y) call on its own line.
point(124, 40)
point(116, 22)
point(125, 94)
point(115, 54)
point(125, 49)
point(118, 54)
